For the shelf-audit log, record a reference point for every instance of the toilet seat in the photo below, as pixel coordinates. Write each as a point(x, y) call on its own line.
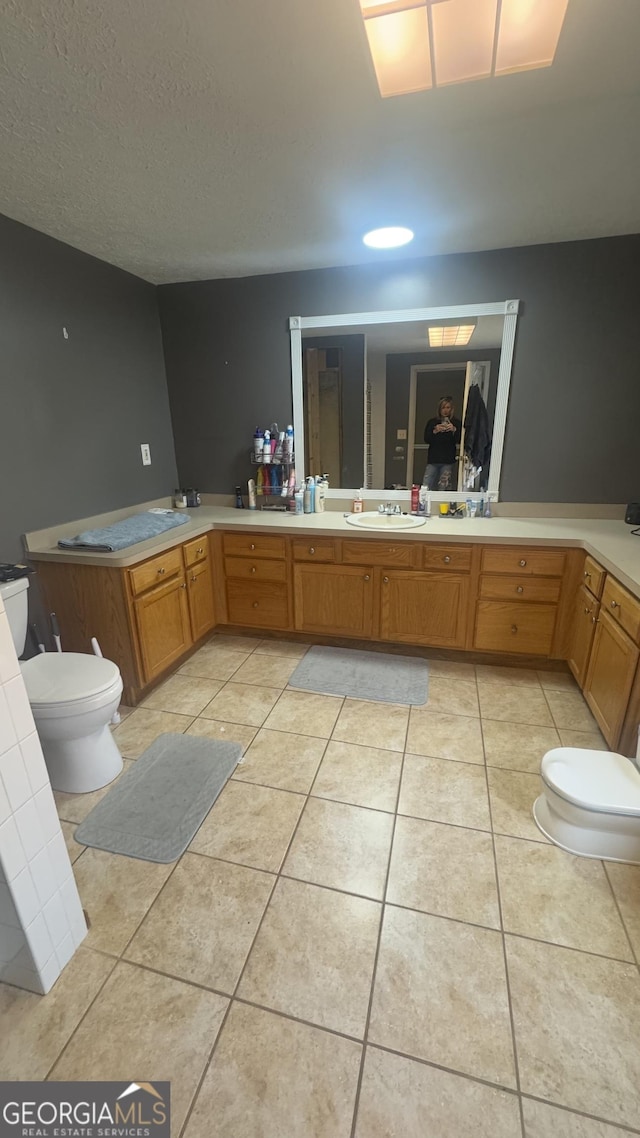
point(68, 683)
point(601, 781)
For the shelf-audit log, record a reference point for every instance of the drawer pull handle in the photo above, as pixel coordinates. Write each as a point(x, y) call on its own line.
point(615, 605)
point(523, 562)
point(161, 571)
point(252, 546)
point(519, 589)
point(447, 559)
point(514, 628)
point(367, 577)
point(385, 580)
point(200, 551)
point(255, 604)
point(253, 568)
point(311, 549)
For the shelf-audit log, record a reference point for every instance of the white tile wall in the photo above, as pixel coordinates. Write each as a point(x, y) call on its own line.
point(41, 918)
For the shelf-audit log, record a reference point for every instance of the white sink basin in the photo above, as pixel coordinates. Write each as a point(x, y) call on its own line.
point(371, 520)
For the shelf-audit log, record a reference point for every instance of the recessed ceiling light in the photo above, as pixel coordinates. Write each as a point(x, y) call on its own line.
point(388, 238)
point(450, 335)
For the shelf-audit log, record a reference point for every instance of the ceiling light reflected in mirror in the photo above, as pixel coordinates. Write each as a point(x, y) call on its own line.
point(419, 44)
point(450, 335)
point(390, 237)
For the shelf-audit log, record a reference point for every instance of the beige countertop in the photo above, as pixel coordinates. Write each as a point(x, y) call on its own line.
point(610, 542)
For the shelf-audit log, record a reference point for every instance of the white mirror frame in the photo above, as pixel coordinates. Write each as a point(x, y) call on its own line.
point(507, 308)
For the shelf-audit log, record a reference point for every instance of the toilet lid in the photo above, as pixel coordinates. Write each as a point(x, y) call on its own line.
point(597, 780)
point(62, 677)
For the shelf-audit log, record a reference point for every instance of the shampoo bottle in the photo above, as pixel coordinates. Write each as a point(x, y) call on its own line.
point(288, 444)
point(320, 494)
point(260, 486)
point(312, 495)
point(279, 451)
point(258, 444)
point(306, 498)
point(251, 487)
point(299, 500)
point(266, 451)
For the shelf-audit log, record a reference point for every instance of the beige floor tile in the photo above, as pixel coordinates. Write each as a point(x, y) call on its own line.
point(289, 648)
point(557, 681)
point(441, 994)
point(590, 740)
point(363, 776)
point(281, 760)
point(143, 726)
point(544, 1121)
point(186, 695)
point(250, 824)
point(452, 669)
point(142, 1021)
point(36, 1028)
point(74, 849)
point(514, 704)
point(313, 957)
point(202, 925)
point(512, 796)
point(447, 698)
point(576, 1022)
point(242, 703)
point(273, 671)
point(213, 662)
point(445, 736)
point(625, 882)
point(514, 677)
point(235, 643)
point(444, 870)
point(304, 713)
point(343, 847)
point(116, 892)
point(444, 791)
point(273, 1078)
point(516, 748)
point(227, 732)
point(570, 711)
point(372, 724)
point(400, 1098)
point(551, 895)
point(75, 807)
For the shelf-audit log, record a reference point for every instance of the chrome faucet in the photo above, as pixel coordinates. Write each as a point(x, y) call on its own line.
point(390, 508)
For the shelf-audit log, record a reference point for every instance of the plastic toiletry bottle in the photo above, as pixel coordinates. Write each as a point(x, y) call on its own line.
point(415, 499)
point(258, 444)
point(320, 490)
point(279, 451)
point(260, 484)
point(487, 509)
point(251, 487)
point(292, 483)
point(358, 503)
point(266, 451)
point(311, 482)
point(481, 507)
point(239, 499)
point(422, 502)
point(306, 498)
point(299, 500)
point(427, 505)
point(288, 444)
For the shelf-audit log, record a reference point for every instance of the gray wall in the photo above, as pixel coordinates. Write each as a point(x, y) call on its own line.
point(74, 412)
point(228, 360)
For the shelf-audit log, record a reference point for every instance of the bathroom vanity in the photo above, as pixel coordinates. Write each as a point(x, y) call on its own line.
point(528, 590)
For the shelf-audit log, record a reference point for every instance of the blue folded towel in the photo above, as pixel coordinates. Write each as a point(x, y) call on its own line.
point(129, 531)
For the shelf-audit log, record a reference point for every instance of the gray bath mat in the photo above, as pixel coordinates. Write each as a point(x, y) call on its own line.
point(363, 675)
point(154, 809)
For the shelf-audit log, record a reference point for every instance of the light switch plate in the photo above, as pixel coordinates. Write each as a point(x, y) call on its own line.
point(145, 450)
point(401, 434)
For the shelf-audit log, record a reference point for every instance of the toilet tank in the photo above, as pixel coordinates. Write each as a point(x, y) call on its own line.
point(14, 598)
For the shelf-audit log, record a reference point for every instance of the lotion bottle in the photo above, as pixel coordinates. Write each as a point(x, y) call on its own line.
point(306, 498)
point(358, 503)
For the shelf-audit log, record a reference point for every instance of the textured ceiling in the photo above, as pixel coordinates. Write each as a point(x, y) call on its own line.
point(187, 139)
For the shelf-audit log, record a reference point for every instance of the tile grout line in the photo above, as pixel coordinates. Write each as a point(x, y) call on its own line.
point(365, 1037)
point(502, 935)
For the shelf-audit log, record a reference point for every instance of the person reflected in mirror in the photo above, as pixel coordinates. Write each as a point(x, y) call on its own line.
point(443, 435)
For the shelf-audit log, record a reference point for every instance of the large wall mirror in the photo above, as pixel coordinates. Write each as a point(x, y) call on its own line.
point(385, 400)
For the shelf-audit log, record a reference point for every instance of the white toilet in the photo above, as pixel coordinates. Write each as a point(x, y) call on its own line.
point(590, 803)
point(73, 697)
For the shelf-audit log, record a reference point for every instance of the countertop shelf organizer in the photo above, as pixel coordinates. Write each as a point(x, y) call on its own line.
point(280, 462)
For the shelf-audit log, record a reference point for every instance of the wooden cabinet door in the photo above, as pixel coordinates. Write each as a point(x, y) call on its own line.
point(585, 615)
point(612, 668)
point(162, 618)
point(200, 594)
point(424, 608)
point(333, 599)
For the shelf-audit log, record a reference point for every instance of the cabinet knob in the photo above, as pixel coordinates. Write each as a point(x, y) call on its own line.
point(194, 578)
point(587, 612)
point(514, 628)
point(252, 546)
point(200, 551)
point(595, 620)
point(255, 604)
point(385, 580)
point(447, 559)
point(615, 605)
point(253, 568)
point(523, 562)
point(519, 589)
point(160, 571)
point(367, 577)
point(311, 549)
point(183, 586)
point(587, 573)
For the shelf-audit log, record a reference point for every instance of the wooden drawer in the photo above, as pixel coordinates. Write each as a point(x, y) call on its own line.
point(454, 557)
point(312, 550)
point(502, 626)
point(255, 569)
point(156, 571)
point(525, 562)
point(503, 588)
point(389, 554)
point(196, 550)
point(263, 604)
point(253, 545)
point(593, 576)
point(623, 607)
